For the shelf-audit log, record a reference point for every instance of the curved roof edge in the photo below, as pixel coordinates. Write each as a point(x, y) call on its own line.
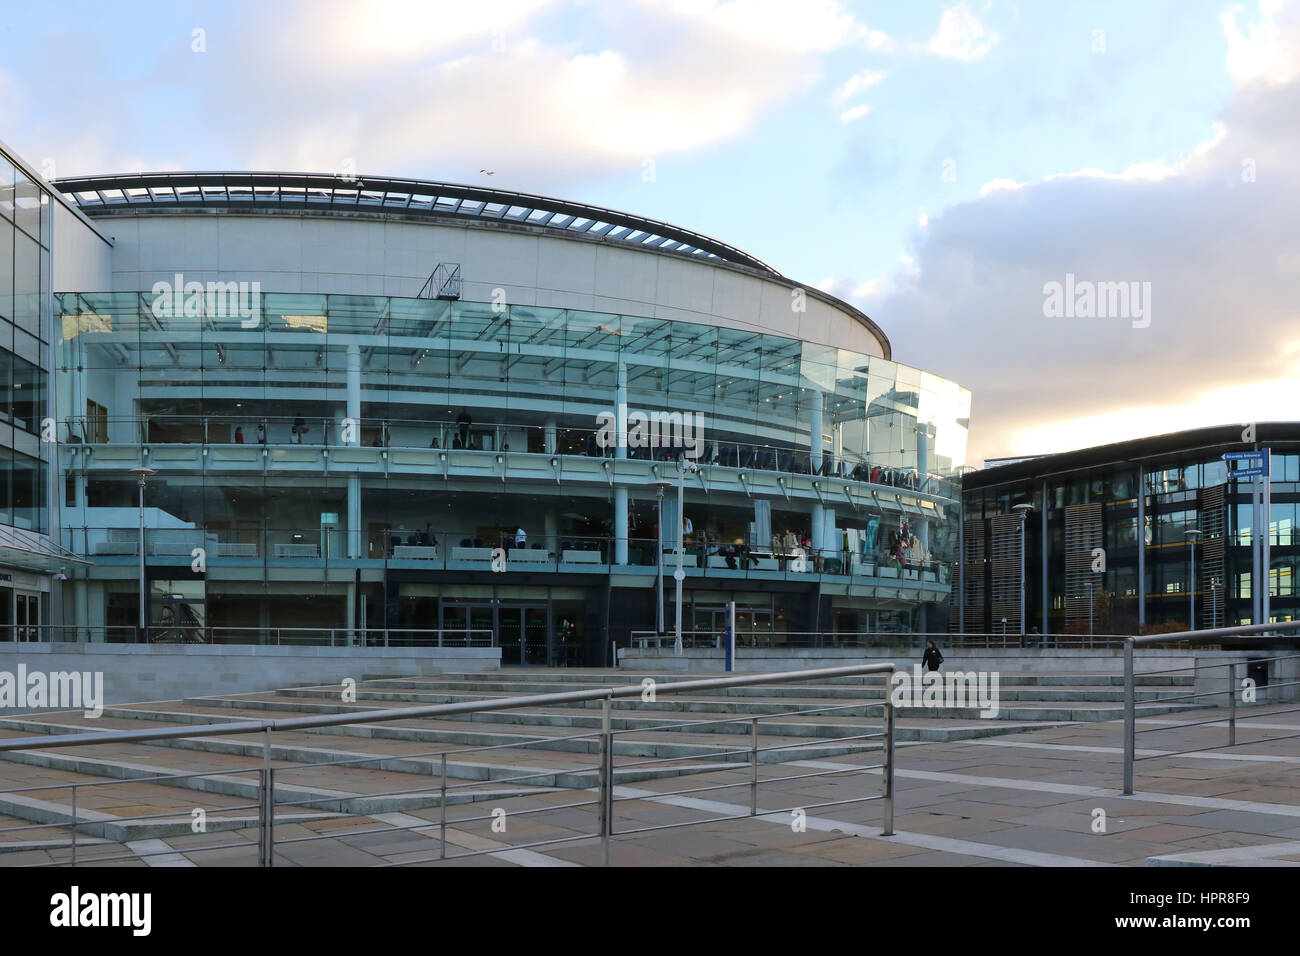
point(141, 191)
point(1209, 439)
point(129, 193)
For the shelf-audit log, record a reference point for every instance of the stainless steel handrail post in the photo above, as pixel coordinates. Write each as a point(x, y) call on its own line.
point(74, 824)
point(1130, 717)
point(270, 814)
point(753, 767)
point(1232, 704)
point(261, 817)
point(442, 812)
point(887, 770)
point(606, 780)
point(267, 811)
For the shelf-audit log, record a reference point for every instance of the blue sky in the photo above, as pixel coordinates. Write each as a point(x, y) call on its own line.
point(850, 145)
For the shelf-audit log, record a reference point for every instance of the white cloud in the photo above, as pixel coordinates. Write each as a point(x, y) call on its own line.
point(999, 186)
point(1266, 52)
point(961, 35)
point(856, 113)
point(333, 37)
point(856, 84)
point(541, 112)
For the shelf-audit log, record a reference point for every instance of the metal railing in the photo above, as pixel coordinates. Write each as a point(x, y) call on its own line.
point(268, 636)
point(567, 439)
point(269, 777)
point(877, 638)
point(1227, 637)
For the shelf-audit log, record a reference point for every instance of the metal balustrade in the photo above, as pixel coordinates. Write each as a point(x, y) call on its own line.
point(597, 785)
point(329, 433)
point(1229, 638)
point(199, 633)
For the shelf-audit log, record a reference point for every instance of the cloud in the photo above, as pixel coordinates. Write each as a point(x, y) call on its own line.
point(1212, 232)
point(858, 83)
point(856, 113)
point(1267, 51)
point(961, 35)
point(508, 89)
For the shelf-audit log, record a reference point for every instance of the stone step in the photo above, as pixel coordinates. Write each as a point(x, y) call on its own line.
point(488, 689)
point(1031, 710)
point(608, 678)
point(552, 718)
point(424, 764)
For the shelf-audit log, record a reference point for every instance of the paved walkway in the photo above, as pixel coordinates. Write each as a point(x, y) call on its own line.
point(1045, 797)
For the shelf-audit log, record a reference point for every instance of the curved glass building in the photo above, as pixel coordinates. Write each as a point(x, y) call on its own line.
point(416, 412)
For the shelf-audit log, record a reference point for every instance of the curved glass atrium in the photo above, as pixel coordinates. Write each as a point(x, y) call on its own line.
point(355, 450)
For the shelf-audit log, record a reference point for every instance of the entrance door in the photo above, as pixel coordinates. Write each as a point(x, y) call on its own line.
point(27, 615)
point(521, 634)
point(753, 625)
point(535, 636)
point(510, 633)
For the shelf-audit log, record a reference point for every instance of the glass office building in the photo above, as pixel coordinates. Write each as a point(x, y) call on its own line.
point(28, 556)
point(1131, 537)
point(486, 450)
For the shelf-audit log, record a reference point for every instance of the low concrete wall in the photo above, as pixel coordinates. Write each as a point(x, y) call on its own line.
point(145, 672)
point(1010, 660)
point(1207, 666)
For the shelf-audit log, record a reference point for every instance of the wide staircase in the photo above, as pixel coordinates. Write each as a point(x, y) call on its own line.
point(368, 777)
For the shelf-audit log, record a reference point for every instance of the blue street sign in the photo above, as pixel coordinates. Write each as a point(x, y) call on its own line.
point(1240, 455)
point(1247, 473)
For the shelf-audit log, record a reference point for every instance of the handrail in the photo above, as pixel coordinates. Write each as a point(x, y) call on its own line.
point(1217, 635)
point(605, 791)
point(433, 710)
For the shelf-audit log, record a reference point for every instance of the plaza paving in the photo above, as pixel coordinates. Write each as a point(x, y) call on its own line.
point(1009, 792)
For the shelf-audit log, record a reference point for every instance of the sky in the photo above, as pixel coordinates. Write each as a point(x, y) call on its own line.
point(944, 166)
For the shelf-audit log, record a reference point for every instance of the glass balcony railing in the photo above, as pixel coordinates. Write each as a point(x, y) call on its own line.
point(470, 550)
point(498, 437)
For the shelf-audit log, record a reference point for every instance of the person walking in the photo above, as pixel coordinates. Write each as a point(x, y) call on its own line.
point(931, 659)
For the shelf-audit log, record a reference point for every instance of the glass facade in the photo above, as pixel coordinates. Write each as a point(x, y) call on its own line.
point(25, 304)
point(366, 454)
point(1143, 579)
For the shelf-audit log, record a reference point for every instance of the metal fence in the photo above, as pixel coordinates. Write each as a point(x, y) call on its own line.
point(265, 788)
point(1227, 638)
point(893, 639)
point(268, 636)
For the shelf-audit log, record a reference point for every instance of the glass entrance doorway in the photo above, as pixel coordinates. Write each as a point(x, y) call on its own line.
point(753, 624)
point(27, 616)
point(519, 630)
point(521, 634)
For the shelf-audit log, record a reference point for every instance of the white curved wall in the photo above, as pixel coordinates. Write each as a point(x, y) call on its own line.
point(367, 257)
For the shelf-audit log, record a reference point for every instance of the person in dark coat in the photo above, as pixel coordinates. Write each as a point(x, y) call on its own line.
point(931, 659)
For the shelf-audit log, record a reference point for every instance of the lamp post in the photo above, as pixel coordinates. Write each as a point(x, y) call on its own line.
point(1023, 511)
point(142, 475)
point(659, 553)
point(1191, 535)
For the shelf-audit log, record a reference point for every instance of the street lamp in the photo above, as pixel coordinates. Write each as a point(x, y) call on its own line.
point(1023, 511)
point(659, 552)
point(142, 475)
point(1191, 535)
